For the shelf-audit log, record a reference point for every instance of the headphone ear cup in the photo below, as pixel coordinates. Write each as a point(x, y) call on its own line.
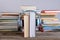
point(41, 28)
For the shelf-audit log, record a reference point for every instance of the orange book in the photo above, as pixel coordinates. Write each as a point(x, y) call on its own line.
point(50, 11)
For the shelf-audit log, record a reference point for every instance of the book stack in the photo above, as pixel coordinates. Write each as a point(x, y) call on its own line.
point(8, 21)
point(50, 21)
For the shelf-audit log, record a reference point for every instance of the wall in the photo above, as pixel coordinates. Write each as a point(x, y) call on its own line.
point(14, 5)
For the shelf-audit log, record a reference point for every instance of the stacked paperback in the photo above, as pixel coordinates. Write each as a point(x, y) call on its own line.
point(8, 21)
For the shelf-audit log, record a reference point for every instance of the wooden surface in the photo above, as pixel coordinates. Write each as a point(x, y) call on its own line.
point(39, 36)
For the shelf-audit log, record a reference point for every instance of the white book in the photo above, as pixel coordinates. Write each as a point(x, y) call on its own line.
point(7, 27)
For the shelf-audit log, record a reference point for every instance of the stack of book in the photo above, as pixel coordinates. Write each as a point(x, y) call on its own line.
point(50, 21)
point(8, 21)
